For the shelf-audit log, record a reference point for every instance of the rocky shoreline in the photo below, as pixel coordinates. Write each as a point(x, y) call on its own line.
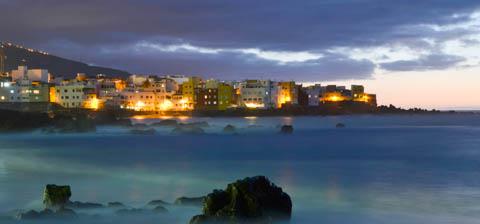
point(249, 200)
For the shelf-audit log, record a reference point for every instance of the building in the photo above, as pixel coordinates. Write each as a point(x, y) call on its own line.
point(258, 94)
point(3, 57)
point(357, 90)
point(313, 93)
point(35, 75)
point(75, 94)
point(138, 100)
point(287, 93)
point(24, 91)
point(226, 96)
point(214, 95)
point(188, 91)
point(108, 88)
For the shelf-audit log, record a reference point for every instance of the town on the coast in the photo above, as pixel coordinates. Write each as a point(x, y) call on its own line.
point(158, 93)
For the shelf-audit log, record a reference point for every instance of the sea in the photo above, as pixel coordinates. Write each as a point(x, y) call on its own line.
point(384, 169)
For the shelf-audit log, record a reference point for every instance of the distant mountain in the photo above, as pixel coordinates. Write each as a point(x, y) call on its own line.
point(18, 55)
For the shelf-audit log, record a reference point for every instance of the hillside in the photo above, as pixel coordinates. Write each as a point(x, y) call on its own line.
point(17, 55)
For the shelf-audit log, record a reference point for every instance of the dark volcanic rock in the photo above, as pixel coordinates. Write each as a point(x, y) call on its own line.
point(253, 199)
point(167, 122)
point(77, 124)
point(286, 129)
point(83, 205)
point(229, 129)
point(340, 125)
point(200, 124)
point(56, 197)
point(196, 201)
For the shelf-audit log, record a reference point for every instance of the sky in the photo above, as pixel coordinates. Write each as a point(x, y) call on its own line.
point(410, 53)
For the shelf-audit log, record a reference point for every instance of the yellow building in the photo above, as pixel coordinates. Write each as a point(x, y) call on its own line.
point(287, 93)
point(225, 96)
point(366, 98)
point(75, 94)
point(188, 91)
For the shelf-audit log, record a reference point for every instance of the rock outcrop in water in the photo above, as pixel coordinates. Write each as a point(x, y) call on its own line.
point(229, 129)
point(56, 197)
point(167, 122)
point(253, 199)
point(286, 129)
point(340, 125)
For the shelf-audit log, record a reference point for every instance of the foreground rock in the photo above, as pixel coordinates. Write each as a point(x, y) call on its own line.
point(286, 129)
point(253, 199)
point(56, 197)
point(78, 124)
point(229, 129)
point(160, 209)
point(199, 124)
point(340, 125)
point(196, 201)
point(167, 122)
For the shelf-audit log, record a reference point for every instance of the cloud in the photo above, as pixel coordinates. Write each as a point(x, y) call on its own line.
point(429, 62)
point(279, 35)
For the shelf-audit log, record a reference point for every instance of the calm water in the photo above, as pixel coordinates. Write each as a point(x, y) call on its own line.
point(380, 169)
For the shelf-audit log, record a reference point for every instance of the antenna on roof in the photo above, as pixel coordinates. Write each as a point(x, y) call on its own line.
point(3, 57)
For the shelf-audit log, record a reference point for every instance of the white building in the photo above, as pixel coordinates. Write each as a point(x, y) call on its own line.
point(314, 92)
point(35, 75)
point(24, 91)
point(75, 94)
point(258, 94)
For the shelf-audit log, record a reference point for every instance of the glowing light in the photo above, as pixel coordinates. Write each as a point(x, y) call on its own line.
point(139, 106)
point(93, 104)
point(166, 105)
point(254, 105)
point(334, 98)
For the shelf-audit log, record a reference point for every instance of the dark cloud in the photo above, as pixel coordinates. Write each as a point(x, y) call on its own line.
point(80, 29)
point(429, 62)
point(235, 66)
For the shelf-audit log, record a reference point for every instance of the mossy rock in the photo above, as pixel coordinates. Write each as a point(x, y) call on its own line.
point(253, 199)
point(56, 197)
point(229, 129)
point(286, 129)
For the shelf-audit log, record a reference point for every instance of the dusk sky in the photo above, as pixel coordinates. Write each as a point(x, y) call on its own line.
point(410, 53)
